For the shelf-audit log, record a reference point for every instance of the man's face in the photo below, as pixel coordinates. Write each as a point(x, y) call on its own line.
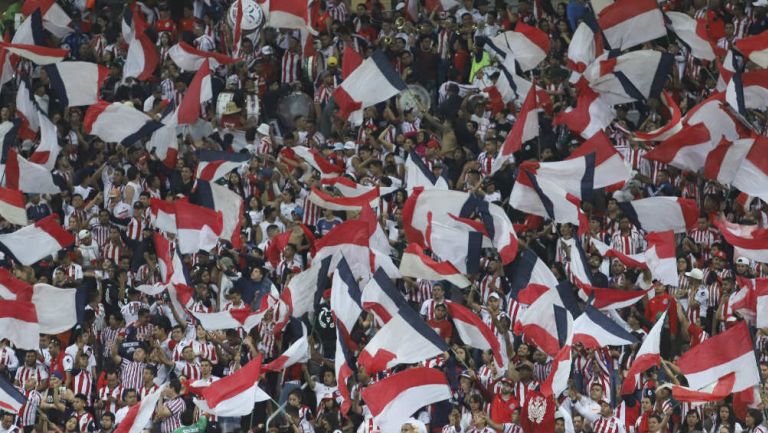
point(7, 421)
point(30, 359)
point(106, 422)
point(130, 398)
point(596, 392)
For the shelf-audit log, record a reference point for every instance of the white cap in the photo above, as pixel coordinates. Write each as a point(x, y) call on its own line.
point(350, 145)
point(400, 6)
point(742, 261)
point(263, 129)
point(696, 274)
point(267, 50)
point(83, 234)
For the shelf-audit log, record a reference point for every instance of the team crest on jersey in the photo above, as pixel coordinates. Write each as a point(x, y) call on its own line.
point(537, 408)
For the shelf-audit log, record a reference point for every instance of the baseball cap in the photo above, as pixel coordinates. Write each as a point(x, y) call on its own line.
point(350, 145)
point(494, 295)
point(742, 261)
point(83, 234)
point(267, 50)
point(695, 273)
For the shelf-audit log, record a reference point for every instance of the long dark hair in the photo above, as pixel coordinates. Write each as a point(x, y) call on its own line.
point(684, 424)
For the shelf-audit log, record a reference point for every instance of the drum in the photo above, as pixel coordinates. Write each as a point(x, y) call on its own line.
point(253, 16)
point(292, 105)
point(252, 107)
point(409, 98)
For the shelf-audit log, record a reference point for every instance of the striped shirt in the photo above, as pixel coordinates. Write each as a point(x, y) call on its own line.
point(28, 412)
point(338, 11)
point(189, 370)
point(291, 66)
point(176, 406)
point(114, 394)
point(135, 229)
point(146, 390)
point(24, 373)
point(131, 373)
point(630, 243)
point(82, 383)
point(608, 425)
point(312, 212)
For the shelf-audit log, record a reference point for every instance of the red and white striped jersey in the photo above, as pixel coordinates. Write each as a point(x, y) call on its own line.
point(131, 373)
point(189, 370)
point(444, 44)
point(608, 425)
point(28, 413)
point(520, 389)
point(113, 251)
point(312, 212)
point(630, 243)
point(338, 11)
point(291, 67)
point(24, 372)
point(206, 350)
point(267, 342)
point(135, 229)
point(116, 394)
point(489, 284)
point(8, 358)
point(146, 390)
point(82, 383)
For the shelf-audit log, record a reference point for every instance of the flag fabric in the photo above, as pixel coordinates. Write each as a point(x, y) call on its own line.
point(406, 339)
point(591, 114)
point(529, 277)
point(35, 53)
point(594, 330)
point(627, 23)
point(345, 367)
point(237, 30)
point(57, 308)
point(290, 14)
point(453, 209)
point(634, 76)
point(30, 31)
point(76, 83)
point(755, 48)
point(351, 240)
point(416, 264)
point(511, 87)
point(233, 395)
point(548, 321)
point(687, 149)
point(358, 203)
point(418, 175)
point(27, 110)
point(660, 257)
point(394, 399)
point(742, 164)
point(547, 199)
point(728, 352)
point(28, 177)
point(48, 150)
point(318, 162)
point(374, 81)
point(586, 45)
point(528, 45)
point(12, 288)
point(381, 297)
point(11, 399)
point(610, 169)
point(672, 127)
point(557, 381)
point(190, 58)
point(221, 199)
point(18, 323)
point(140, 414)
point(526, 128)
point(118, 122)
point(350, 60)
point(142, 58)
point(213, 165)
point(302, 288)
point(748, 91)
point(297, 352)
point(33, 243)
point(629, 260)
point(474, 332)
point(228, 319)
point(748, 241)
point(346, 298)
point(12, 206)
point(715, 391)
point(199, 92)
point(54, 17)
point(761, 303)
point(197, 228)
point(659, 214)
point(163, 215)
point(693, 33)
point(647, 356)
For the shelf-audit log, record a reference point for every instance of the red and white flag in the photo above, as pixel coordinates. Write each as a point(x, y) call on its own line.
point(318, 162)
point(34, 242)
point(35, 53)
point(197, 228)
point(673, 125)
point(526, 128)
point(394, 399)
point(237, 30)
point(748, 91)
point(527, 44)
point(190, 58)
point(755, 48)
point(590, 115)
point(542, 197)
point(627, 23)
point(212, 165)
point(659, 214)
point(162, 215)
point(299, 292)
point(647, 356)
point(715, 391)
point(140, 414)
point(381, 297)
point(416, 264)
point(117, 122)
point(355, 204)
point(557, 381)
point(547, 322)
point(234, 395)
point(586, 45)
point(228, 319)
point(297, 353)
point(660, 257)
point(26, 111)
point(290, 14)
point(18, 323)
point(687, 149)
point(142, 58)
point(198, 93)
point(728, 352)
point(47, 152)
point(693, 32)
point(350, 60)
point(55, 18)
point(633, 76)
point(12, 206)
point(77, 83)
point(742, 164)
point(475, 333)
point(748, 241)
point(12, 288)
point(594, 330)
point(57, 308)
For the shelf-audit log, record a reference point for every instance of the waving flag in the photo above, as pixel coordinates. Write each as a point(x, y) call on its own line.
point(11, 399)
point(199, 92)
point(221, 199)
point(629, 260)
point(418, 175)
point(688, 149)
point(394, 399)
point(213, 165)
point(474, 332)
point(350, 60)
point(57, 309)
point(526, 128)
point(48, 150)
point(742, 164)
point(163, 215)
point(35, 53)
point(634, 76)
point(659, 214)
point(693, 33)
point(406, 339)
point(591, 114)
point(346, 302)
point(290, 14)
point(190, 58)
point(234, 395)
point(352, 240)
point(660, 257)
point(76, 83)
point(672, 127)
point(728, 352)
point(197, 228)
point(299, 293)
point(355, 204)
point(55, 18)
point(594, 330)
point(12, 206)
point(748, 241)
point(142, 58)
point(586, 45)
point(228, 319)
point(12, 288)
point(318, 162)
point(118, 122)
point(18, 323)
point(627, 23)
point(30, 31)
point(715, 391)
point(33, 243)
point(27, 110)
point(526, 44)
point(297, 352)
point(140, 414)
point(462, 211)
point(748, 91)
point(755, 48)
point(761, 303)
point(380, 296)
point(647, 356)
point(548, 321)
point(529, 275)
point(374, 81)
point(547, 199)
point(345, 367)
point(416, 264)
point(557, 381)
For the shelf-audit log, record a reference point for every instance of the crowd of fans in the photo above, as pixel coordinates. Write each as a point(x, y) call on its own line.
point(130, 343)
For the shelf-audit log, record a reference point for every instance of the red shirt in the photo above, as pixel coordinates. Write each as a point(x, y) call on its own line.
point(443, 328)
point(166, 26)
point(658, 305)
point(501, 411)
point(186, 24)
